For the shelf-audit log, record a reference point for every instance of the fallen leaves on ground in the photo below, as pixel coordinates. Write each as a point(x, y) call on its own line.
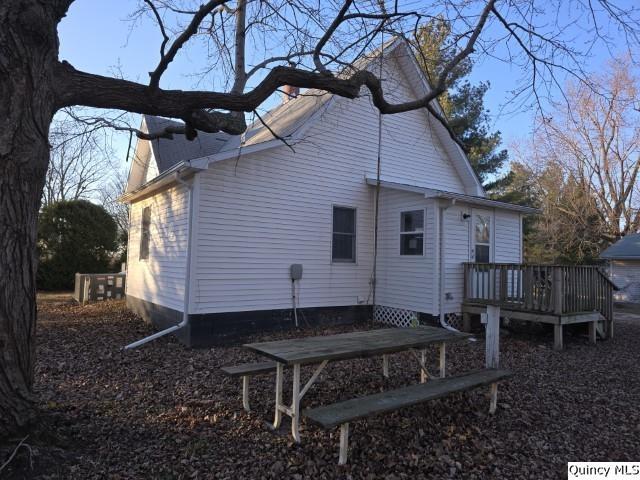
point(166, 411)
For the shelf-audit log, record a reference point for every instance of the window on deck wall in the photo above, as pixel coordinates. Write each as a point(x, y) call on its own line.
point(145, 233)
point(344, 235)
point(412, 232)
point(483, 238)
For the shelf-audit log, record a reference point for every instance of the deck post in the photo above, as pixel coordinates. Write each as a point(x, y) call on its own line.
point(492, 350)
point(385, 366)
point(466, 322)
point(492, 337)
point(443, 359)
point(423, 366)
point(557, 336)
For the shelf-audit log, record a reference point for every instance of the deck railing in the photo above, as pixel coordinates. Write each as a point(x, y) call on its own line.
point(553, 289)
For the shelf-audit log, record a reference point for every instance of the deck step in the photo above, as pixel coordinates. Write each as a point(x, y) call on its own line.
point(338, 413)
point(245, 369)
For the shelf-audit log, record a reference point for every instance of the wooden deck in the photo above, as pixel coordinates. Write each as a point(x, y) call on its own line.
point(555, 294)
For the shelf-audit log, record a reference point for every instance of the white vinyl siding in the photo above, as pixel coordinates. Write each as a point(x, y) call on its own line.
point(456, 248)
point(505, 243)
point(160, 278)
point(151, 170)
point(405, 281)
point(261, 212)
point(264, 211)
point(508, 237)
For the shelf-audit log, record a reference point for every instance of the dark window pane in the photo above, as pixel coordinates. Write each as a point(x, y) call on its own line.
point(344, 235)
point(482, 253)
point(412, 221)
point(344, 247)
point(344, 220)
point(411, 244)
point(145, 233)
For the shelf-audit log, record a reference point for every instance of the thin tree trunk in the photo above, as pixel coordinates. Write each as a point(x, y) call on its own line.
point(28, 50)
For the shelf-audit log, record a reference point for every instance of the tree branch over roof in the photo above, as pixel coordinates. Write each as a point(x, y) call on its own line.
point(190, 31)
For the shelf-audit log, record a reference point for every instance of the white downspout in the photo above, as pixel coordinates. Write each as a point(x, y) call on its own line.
point(187, 279)
point(441, 211)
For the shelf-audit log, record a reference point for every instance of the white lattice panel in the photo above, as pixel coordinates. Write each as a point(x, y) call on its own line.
point(395, 316)
point(454, 320)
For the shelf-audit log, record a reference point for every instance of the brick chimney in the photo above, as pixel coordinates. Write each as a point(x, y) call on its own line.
point(289, 92)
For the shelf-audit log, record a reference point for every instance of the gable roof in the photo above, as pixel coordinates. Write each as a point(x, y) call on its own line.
point(290, 120)
point(168, 152)
point(628, 247)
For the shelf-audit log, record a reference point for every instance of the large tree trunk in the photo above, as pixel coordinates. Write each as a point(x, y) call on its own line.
point(28, 51)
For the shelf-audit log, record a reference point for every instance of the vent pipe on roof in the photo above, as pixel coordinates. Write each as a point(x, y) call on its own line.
point(289, 92)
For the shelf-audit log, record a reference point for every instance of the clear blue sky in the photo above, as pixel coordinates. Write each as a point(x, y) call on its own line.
point(97, 37)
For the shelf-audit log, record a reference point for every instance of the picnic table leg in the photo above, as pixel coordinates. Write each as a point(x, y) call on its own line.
point(245, 393)
point(443, 359)
point(295, 407)
point(344, 443)
point(385, 366)
point(494, 398)
point(423, 366)
point(279, 375)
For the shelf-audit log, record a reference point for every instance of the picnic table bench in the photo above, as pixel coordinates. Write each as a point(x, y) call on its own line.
point(342, 413)
point(247, 370)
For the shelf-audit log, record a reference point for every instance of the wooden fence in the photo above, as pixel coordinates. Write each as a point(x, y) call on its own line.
point(99, 286)
point(552, 289)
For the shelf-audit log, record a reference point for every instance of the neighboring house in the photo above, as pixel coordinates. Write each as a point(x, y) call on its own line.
point(623, 258)
point(216, 223)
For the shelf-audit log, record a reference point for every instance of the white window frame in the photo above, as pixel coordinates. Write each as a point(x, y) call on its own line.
point(355, 236)
point(413, 232)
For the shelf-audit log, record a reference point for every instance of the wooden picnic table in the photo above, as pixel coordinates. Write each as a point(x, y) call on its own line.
point(296, 352)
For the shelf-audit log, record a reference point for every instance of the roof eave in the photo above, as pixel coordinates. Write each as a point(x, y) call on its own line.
point(441, 194)
point(165, 179)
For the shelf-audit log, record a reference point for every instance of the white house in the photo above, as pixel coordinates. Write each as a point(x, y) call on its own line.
point(217, 223)
point(623, 258)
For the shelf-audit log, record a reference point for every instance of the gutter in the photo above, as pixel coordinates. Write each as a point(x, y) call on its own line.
point(175, 174)
point(187, 279)
point(429, 192)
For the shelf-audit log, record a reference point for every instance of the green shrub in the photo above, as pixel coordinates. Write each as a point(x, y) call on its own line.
point(73, 236)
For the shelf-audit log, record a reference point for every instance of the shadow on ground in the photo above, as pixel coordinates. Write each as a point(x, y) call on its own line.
point(164, 411)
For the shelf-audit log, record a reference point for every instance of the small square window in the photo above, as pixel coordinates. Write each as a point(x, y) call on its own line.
point(412, 232)
point(343, 247)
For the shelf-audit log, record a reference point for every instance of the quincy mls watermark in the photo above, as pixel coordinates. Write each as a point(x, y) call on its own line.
point(603, 470)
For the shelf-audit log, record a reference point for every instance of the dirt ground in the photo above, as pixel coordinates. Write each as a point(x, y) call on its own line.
point(167, 412)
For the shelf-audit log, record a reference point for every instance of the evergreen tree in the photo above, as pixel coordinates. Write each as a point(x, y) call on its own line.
point(73, 236)
point(463, 105)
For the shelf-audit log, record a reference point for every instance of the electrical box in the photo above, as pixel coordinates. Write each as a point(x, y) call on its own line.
point(296, 271)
